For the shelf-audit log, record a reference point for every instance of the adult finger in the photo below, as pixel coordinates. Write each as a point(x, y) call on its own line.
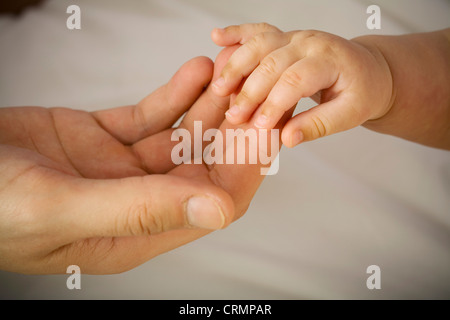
point(159, 110)
point(207, 112)
point(257, 148)
point(209, 108)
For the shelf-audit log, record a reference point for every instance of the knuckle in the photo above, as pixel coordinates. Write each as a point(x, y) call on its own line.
point(320, 126)
point(243, 97)
point(261, 38)
point(275, 107)
point(304, 34)
point(291, 79)
point(319, 42)
point(264, 27)
point(139, 220)
point(254, 44)
point(229, 71)
point(323, 47)
point(268, 65)
point(315, 41)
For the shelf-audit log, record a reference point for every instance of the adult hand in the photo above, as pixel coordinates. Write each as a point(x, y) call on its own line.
point(91, 189)
point(100, 190)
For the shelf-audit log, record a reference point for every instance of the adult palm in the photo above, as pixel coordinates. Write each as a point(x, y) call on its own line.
point(100, 190)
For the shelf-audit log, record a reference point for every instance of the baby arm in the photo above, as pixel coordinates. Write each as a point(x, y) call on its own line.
point(397, 85)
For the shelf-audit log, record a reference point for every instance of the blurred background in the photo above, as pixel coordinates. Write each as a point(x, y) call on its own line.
point(337, 205)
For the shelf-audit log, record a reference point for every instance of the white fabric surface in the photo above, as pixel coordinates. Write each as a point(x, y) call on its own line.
point(336, 206)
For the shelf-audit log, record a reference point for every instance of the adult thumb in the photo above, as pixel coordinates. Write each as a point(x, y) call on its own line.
point(146, 205)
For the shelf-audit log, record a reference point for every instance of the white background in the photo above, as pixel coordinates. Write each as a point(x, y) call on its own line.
point(336, 206)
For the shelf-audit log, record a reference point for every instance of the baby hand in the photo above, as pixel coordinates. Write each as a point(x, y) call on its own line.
point(352, 83)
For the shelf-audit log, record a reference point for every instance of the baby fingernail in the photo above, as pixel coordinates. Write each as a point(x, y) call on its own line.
point(219, 83)
point(261, 121)
point(233, 111)
point(296, 138)
point(203, 212)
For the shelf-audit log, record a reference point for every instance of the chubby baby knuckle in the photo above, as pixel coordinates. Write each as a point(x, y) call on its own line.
point(314, 41)
point(264, 27)
point(268, 66)
point(292, 79)
point(253, 46)
point(302, 35)
point(323, 48)
point(263, 38)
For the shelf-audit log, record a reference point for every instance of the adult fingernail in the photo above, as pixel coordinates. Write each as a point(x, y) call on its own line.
point(203, 212)
point(296, 138)
point(219, 83)
point(233, 111)
point(261, 121)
